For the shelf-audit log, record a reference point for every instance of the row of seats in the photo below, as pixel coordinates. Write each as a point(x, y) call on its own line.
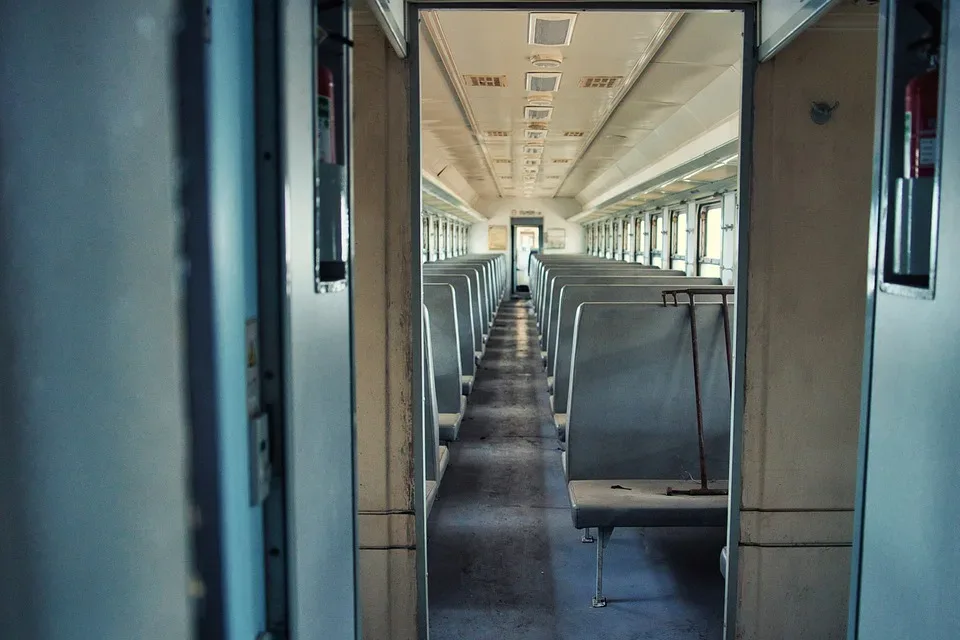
point(645, 442)
point(461, 297)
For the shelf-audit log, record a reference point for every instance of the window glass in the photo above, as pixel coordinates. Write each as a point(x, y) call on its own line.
point(638, 238)
point(678, 240)
point(710, 239)
point(656, 240)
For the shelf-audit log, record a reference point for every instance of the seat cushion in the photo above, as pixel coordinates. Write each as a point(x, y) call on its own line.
point(443, 459)
point(643, 503)
point(467, 384)
point(450, 422)
point(431, 487)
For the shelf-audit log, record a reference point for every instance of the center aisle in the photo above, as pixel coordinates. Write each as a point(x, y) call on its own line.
point(504, 559)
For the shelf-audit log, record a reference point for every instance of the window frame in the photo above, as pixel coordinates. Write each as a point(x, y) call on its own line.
point(675, 234)
point(656, 230)
point(702, 234)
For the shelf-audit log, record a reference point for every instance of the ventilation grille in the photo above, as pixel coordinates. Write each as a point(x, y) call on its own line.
point(532, 150)
point(537, 113)
point(561, 161)
point(573, 134)
point(535, 134)
point(600, 82)
point(502, 161)
point(551, 29)
point(543, 82)
point(485, 81)
point(531, 162)
point(497, 134)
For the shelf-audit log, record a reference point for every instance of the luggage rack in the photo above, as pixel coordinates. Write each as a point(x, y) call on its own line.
point(704, 489)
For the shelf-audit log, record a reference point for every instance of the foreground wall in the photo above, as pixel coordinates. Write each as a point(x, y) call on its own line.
point(805, 322)
point(383, 273)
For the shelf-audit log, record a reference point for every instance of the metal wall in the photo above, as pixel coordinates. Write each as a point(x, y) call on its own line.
point(233, 251)
point(909, 562)
point(93, 475)
point(319, 447)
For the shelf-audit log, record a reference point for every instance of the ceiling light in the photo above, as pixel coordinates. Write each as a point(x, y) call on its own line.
point(546, 60)
point(540, 100)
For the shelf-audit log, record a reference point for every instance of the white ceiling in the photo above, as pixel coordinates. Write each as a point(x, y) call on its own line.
point(679, 77)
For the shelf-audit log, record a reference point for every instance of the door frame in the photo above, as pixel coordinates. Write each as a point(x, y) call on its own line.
point(521, 222)
point(749, 10)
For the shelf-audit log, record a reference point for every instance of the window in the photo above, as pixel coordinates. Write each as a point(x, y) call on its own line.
point(425, 237)
point(434, 254)
point(678, 240)
point(608, 239)
point(638, 238)
point(630, 247)
point(656, 240)
point(709, 239)
point(623, 239)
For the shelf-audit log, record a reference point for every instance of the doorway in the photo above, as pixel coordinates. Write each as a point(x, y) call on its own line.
point(527, 239)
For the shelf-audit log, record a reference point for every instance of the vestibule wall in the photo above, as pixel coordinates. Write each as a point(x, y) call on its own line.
point(383, 280)
point(805, 325)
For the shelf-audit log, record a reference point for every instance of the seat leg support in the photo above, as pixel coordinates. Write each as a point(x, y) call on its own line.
point(605, 533)
point(586, 538)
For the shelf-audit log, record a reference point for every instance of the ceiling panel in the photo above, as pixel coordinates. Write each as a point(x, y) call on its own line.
point(474, 83)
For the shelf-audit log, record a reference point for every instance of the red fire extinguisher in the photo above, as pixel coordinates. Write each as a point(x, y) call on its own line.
point(921, 103)
point(326, 138)
point(921, 124)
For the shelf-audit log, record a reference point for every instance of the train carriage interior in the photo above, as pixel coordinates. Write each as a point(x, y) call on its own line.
point(590, 193)
point(479, 319)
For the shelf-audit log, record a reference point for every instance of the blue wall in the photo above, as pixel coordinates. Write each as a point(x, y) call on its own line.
point(233, 213)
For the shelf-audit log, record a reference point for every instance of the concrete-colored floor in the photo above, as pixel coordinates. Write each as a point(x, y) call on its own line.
point(506, 563)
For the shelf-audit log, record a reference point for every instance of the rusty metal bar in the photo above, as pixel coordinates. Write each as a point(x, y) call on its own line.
point(691, 294)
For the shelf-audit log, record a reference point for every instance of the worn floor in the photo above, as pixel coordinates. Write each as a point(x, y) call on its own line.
point(504, 559)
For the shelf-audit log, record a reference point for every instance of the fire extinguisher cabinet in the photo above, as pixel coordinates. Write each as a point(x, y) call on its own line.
point(907, 178)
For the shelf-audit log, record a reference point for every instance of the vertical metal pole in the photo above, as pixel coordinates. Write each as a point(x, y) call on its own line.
point(726, 338)
point(696, 386)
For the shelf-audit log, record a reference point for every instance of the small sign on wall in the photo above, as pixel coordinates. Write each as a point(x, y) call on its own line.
point(555, 239)
point(497, 238)
point(525, 213)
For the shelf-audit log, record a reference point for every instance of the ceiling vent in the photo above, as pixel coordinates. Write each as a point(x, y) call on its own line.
point(551, 29)
point(485, 81)
point(540, 100)
point(543, 81)
point(502, 161)
point(600, 82)
point(497, 134)
point(532, 150)
point(537, 113)
point(546, 60)
point(531, 162)
point(535, 134)
point(573, 134)
point(561, 161)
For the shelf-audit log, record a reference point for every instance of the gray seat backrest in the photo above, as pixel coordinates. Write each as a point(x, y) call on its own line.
point(431, 417)
point(482, 281)
point(488, 265)
point(583, 268)
point(476, 301)
point(632, 408)
point(465, 325)
point(561, 312)
point(564, 276)
point(551, 272)
point(441, 300)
